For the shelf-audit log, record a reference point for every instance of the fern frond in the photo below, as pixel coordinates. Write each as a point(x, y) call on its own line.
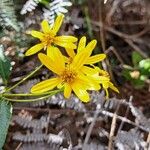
point(58, 99)
point(36, 136)
point(132, 139)
point(136, 112)
point(56, 7)
point(41, 146)
point(139, 117)
point(94, 146)
point(52, 138)
point(35, 146)
point(29, 137)
point(29, 6)
point(53, 8)
point(29, 122)
point(7, 15)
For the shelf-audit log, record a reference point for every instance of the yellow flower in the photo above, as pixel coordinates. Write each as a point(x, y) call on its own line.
point(102, 77)
point(48, 37)
point(89, 47)
point(67, 76)
point(108, 84)
point(82, 47)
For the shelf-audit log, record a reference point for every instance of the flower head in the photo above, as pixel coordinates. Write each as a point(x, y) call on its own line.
point(82, 48)
point(48, 37)
point(87, 48)
point(68, 76)
point(102, 77)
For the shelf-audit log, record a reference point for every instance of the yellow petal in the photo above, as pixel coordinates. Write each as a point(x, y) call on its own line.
point(60, 85)
point(79, 60)
point(97, 68)
point(113, 87)
point(102, 79)
point(46, 85)
point(57, 23)
point(88, 70)
point(105, 79)
point(81, 93)
point(81, 83)
point(50, 64)
point(88, 83)
point(66, 38)
point(56, 56)
point(95, 59)
point(91, 46)
point(45, 26)
point(34, 49)
point(37, 34)
point(66, 59)
point(81, 44)
point(70, 52)
point(49, 54)
point(68, 45)
point(67, 90)
point(101, 72)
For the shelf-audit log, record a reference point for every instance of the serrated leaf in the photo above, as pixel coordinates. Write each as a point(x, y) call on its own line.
point(136, 58)
point(5, 66)
point(5, 116)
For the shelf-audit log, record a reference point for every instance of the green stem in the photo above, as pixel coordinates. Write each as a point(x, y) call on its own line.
point(29, 100)
point(30, 94)
point(28, 76)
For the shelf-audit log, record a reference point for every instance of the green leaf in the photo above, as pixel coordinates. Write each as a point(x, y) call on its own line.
point(5, 66)
point(136, 58)
point(145, 72)
point(145, 63)
point(143, 78)
point(5, 116)
point(44, 2)
point(126, 74)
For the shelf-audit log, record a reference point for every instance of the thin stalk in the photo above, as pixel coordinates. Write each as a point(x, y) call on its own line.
point(28, 76)
point(30, 94)
point(28, 100)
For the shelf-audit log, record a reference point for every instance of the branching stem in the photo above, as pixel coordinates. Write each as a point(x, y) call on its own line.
point(30, 100)
point(25, 78)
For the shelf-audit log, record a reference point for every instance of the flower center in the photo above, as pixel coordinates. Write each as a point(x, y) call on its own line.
point(48, 39)
point(68, 75)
